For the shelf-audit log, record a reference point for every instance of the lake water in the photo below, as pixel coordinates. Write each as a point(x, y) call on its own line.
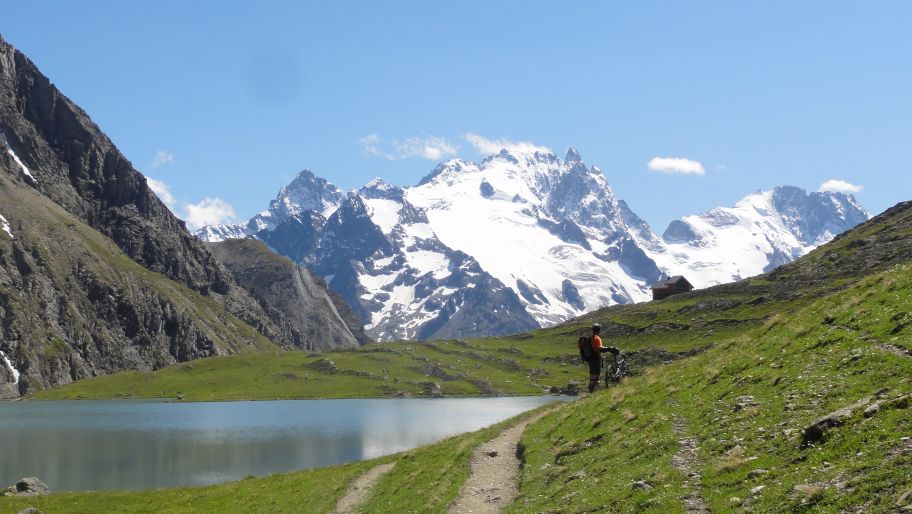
point(96, 445)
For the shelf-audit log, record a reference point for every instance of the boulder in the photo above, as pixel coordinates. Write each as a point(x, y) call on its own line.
point(431, 389)
point(640, 485)
point(816, 431)
point(28, 486)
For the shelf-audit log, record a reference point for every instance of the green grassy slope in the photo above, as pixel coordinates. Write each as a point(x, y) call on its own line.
point(652, 333)
point(747, 402)
point(744, 403)
point(521, 364)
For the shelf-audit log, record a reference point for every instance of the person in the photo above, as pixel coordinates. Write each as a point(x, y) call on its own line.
point(595, 363)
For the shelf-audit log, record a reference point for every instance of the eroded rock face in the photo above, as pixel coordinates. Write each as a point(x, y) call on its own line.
point(308, 315)
point(96, 274)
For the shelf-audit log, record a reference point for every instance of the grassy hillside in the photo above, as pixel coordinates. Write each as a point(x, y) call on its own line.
point(74, 304)
point(651, 333)
point(726, 429)
point(746, 403)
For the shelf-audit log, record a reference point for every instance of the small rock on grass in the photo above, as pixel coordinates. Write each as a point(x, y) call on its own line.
point(640, 485)
point(756, 473)
point(30, 510)
point(578, 475)
point(905, 499)
point(757, 490)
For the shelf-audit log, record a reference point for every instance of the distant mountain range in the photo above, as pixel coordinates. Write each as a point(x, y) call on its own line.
point(518, 241)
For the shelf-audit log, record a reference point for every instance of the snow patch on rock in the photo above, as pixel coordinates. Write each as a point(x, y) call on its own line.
point(5, 226)
point(10, 366)
point(22, 166)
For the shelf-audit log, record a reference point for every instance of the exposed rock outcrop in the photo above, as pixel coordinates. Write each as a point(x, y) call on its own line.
point(96, 274)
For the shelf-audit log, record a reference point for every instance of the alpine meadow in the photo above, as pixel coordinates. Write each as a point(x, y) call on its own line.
point(343, 258)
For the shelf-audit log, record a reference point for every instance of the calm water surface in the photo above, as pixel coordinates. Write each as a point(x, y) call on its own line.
point(95, 445)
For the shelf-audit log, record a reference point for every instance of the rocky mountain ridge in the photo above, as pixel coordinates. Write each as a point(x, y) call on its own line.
point(96, 274)
point(549, 231)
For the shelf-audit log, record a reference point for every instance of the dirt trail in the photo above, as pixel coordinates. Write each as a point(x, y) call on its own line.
point(492, 484)
point(892, 348)
point(687, 461)
point(360, 489)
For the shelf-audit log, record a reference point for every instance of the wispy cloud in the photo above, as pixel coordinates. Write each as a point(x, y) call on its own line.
point(676, 166)
point(162, 190)
point(210, 211)
point(840, 186)
point(432, 148)
point(485, 146)
point(161, 158)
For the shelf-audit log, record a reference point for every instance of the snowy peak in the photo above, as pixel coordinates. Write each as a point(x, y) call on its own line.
point(550, 229)
point(378, 189)
point(305, 195)
point(762, 231)
point(521, 239)
point(218, 233)
point(447, 170)
point(306, 192)
point(815, 218)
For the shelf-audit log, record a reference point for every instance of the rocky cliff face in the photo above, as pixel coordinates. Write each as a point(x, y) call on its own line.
point(304, 309)
point(73, 305)
point(102, 277)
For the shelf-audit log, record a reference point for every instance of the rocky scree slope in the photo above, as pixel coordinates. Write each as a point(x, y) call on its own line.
point(314, 318)
point(51, 148)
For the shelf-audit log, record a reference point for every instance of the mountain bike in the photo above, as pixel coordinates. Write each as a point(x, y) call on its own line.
point(617, 370)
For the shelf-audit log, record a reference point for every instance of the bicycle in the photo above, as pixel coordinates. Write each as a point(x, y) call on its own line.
point(616, 371)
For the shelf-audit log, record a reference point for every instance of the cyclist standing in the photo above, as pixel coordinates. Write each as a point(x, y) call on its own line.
point(595, 362)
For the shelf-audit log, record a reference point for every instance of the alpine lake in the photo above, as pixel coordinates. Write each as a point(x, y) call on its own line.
point(138, 444)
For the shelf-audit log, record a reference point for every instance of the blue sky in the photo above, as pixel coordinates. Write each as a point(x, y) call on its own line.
point(230, 101)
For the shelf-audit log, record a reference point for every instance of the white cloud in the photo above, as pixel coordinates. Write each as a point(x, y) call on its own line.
point(162, 190)
point(840, 186)
point(161, 158)
point(486, 146)
point(210, 211)
point(371, 142)
point(431, 147)
point(676, 165)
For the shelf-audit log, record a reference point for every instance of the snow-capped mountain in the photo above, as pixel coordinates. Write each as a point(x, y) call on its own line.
point(379, 253)
point(764, 230)
point(520, 240)
point(551, 229)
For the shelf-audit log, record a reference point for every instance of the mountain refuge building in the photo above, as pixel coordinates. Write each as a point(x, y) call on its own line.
point(671, 286)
